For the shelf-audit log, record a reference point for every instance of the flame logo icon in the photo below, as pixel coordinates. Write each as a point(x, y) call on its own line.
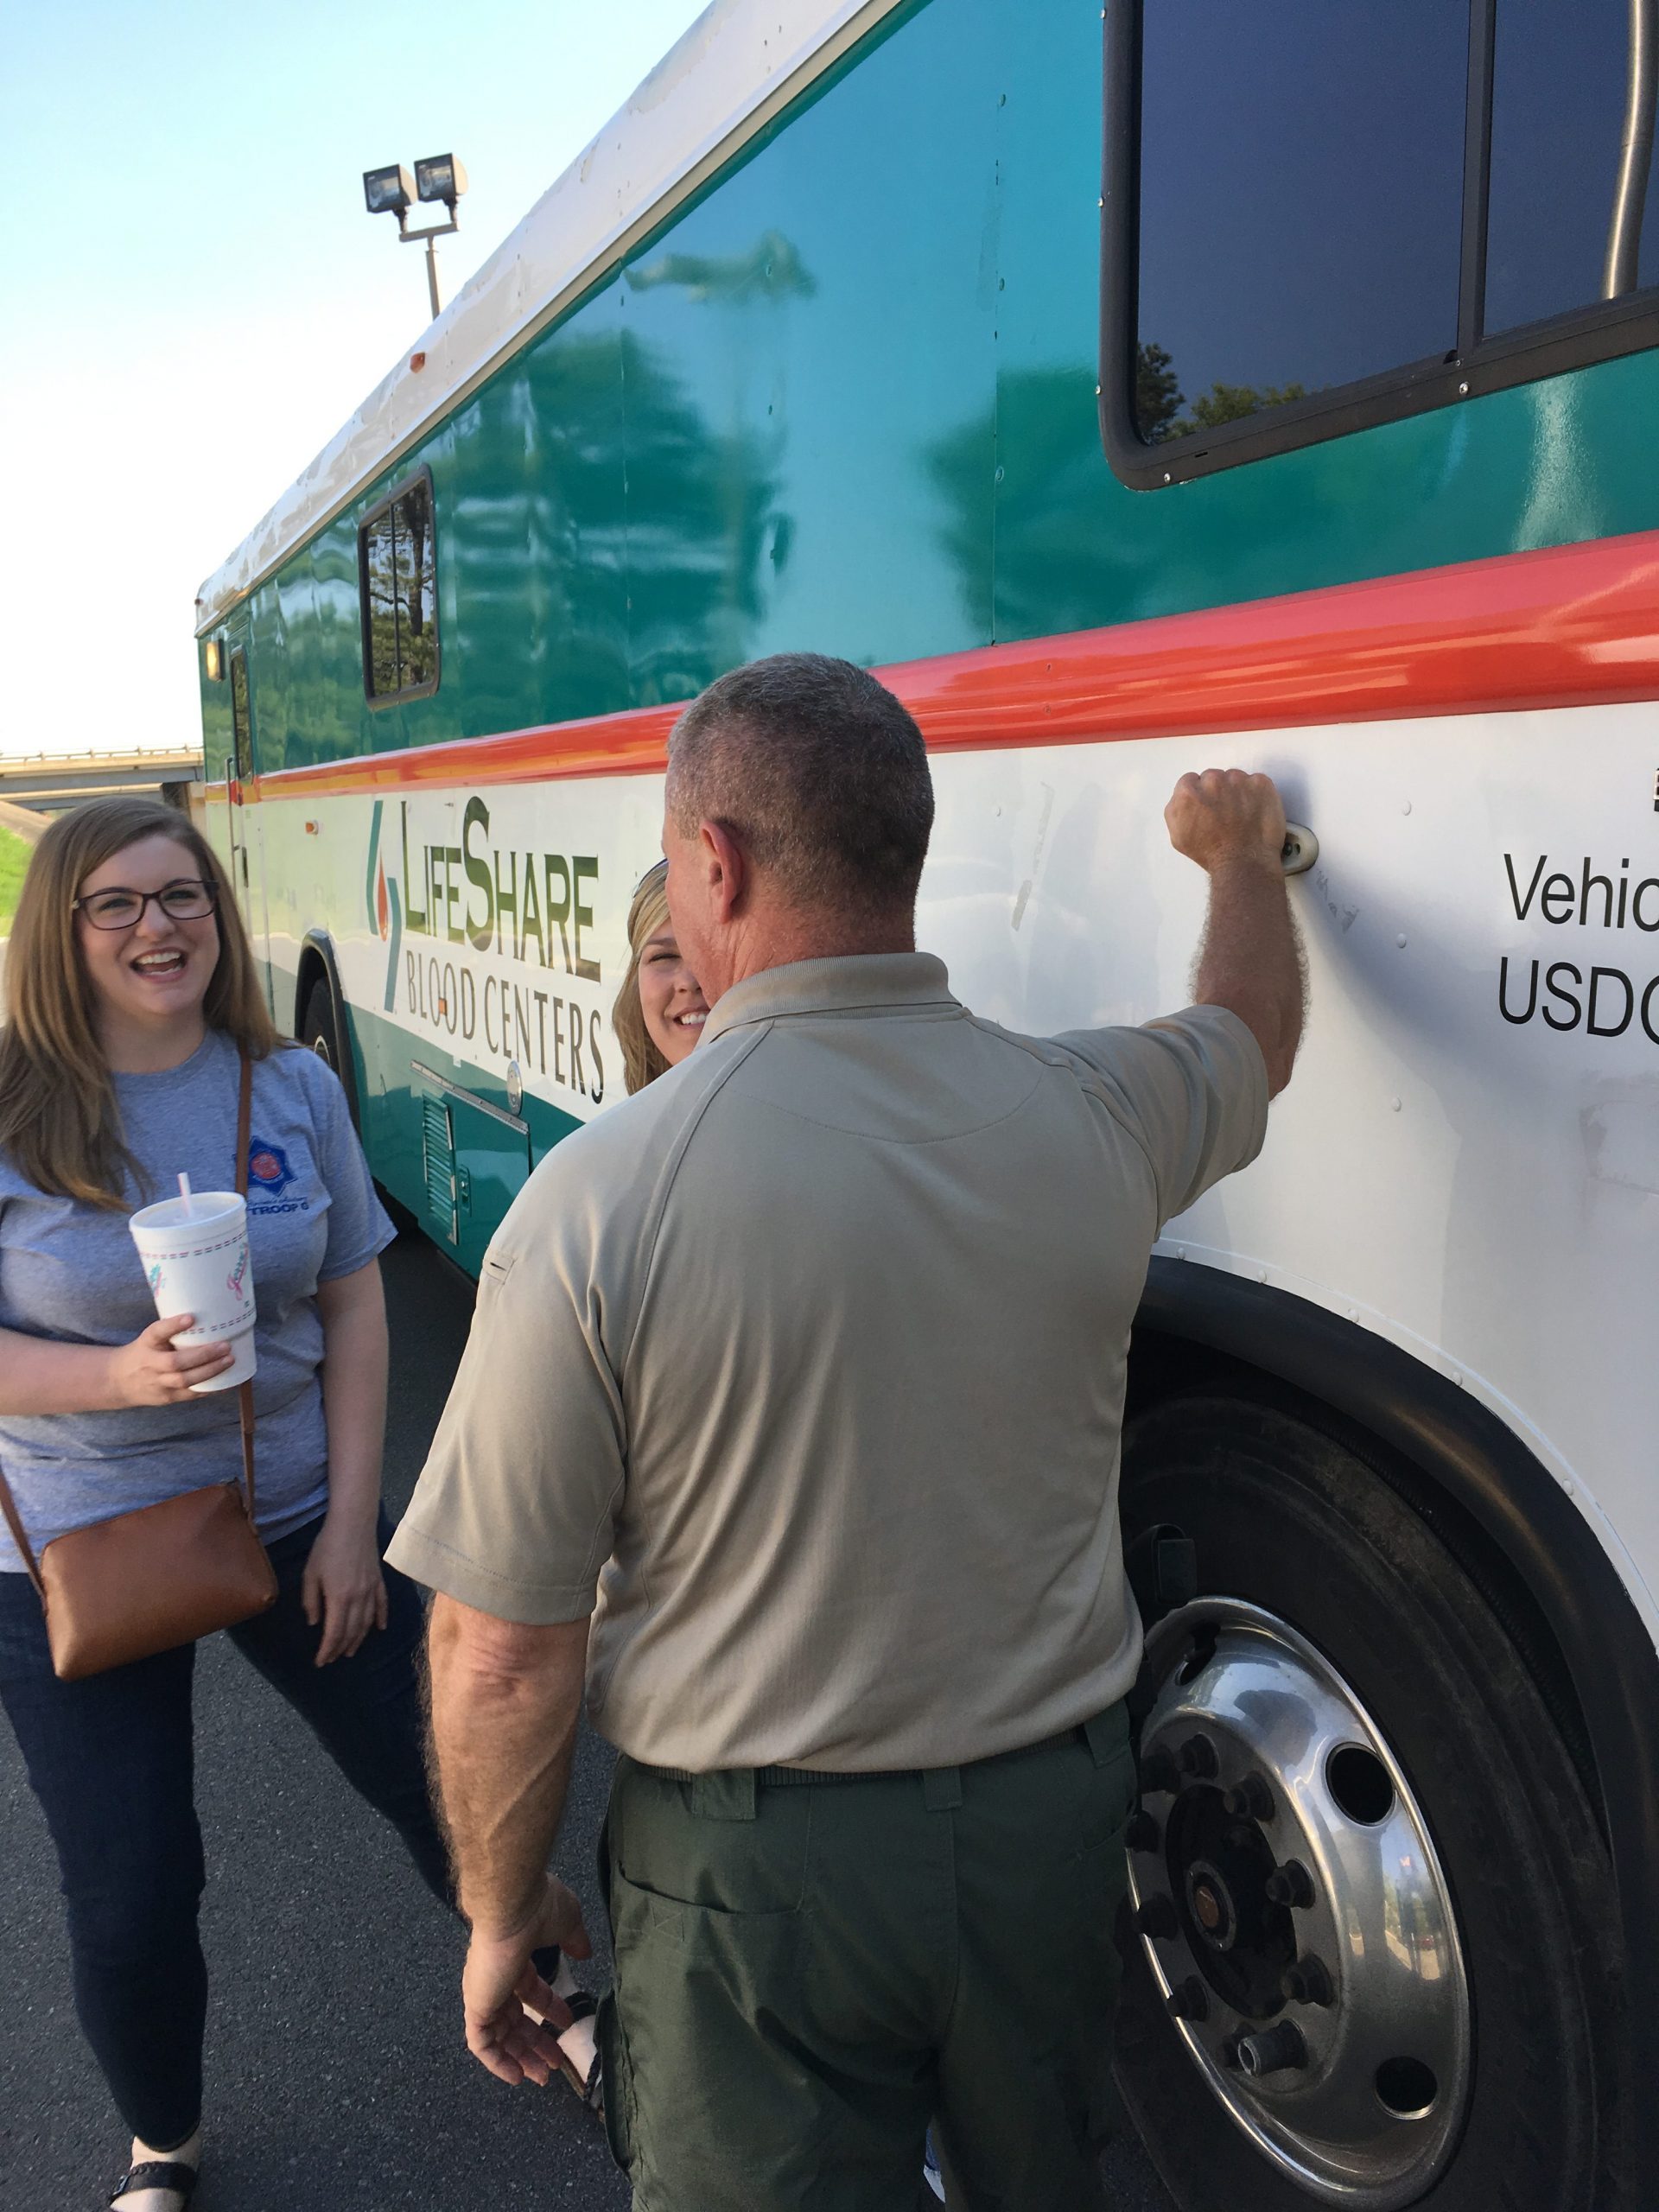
point(238, 1275)
point(380, 895)
point(154, 1277)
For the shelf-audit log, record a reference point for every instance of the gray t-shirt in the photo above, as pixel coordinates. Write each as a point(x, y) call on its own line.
point(70, 1271)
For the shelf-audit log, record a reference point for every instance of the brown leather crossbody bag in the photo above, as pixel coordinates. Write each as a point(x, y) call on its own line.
point(147, 1581)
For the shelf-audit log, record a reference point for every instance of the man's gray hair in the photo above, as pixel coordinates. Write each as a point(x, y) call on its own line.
point(817, 771)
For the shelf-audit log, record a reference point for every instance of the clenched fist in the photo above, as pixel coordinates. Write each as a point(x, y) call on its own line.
point(1226, 814)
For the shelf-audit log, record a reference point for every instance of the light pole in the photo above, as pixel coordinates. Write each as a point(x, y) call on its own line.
point(392, 191)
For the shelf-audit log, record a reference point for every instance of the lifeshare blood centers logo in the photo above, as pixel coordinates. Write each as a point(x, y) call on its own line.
point(385, 908)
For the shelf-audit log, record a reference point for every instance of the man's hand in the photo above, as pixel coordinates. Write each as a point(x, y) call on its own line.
point(1226, 815)
point(499, 1981)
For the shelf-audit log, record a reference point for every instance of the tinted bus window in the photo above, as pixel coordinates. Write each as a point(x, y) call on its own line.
point(1301, 189)
point(397, 578)
point(1558, 119)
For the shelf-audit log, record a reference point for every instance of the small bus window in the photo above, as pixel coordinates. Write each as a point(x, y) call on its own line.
point(1320, 217)
point(397, 569)
point(1559, 95)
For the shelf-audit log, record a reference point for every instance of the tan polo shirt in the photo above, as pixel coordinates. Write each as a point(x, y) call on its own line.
point(802, 1371)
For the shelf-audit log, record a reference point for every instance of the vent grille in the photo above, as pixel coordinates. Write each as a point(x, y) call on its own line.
point(438, 1162)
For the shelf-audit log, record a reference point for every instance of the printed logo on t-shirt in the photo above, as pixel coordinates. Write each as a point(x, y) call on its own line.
point(268, 1176)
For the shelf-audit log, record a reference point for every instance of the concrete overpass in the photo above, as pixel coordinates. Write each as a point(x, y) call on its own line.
point(48, 783)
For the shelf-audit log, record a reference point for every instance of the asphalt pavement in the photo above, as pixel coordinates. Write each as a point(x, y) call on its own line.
point(336, 2074)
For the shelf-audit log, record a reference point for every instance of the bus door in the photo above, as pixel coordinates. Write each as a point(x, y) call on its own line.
point(245, 826)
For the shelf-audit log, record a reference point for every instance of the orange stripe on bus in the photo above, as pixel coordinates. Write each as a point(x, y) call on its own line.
point(1569, 626)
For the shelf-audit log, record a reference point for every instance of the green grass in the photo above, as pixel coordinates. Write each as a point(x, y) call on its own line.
point(14, 860)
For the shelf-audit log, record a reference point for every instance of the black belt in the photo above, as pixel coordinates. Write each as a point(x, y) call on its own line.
point(1105, 1732)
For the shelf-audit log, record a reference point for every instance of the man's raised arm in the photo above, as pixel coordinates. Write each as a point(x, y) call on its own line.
point(1232, 824)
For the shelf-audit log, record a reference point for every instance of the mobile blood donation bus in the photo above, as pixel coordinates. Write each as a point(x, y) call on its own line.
point(1265, 382)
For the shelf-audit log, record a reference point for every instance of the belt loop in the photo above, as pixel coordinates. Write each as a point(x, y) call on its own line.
point(942, 1789)
point(725, 1796)
point(1107, 1734)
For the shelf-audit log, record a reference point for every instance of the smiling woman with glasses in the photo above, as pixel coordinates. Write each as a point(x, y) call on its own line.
point(135, 1006)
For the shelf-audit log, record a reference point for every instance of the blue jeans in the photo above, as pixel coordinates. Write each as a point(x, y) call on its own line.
point(112, 1761)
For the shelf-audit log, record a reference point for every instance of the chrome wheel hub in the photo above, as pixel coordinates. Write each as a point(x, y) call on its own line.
point(1295, 1911)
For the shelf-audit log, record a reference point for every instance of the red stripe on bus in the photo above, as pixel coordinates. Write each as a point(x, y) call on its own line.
point(1572, 626)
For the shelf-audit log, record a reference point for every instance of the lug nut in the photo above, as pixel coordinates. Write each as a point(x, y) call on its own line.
point(1157, 1919)
point(1290, 1884)
point(1158, 1773)
point(1189, 2000)
point(1252, 1800)
point(1308, 1982)
point(1143, 1833)
point(1196, 1756)
point(1277, 2050)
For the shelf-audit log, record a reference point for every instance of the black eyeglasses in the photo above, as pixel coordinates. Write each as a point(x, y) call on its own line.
point(187, 900)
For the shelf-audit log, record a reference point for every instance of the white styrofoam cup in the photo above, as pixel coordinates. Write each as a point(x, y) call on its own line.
point(195, 1259)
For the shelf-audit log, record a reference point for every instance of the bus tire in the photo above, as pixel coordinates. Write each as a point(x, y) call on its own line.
point(1287, 1526)
point(319, 1031)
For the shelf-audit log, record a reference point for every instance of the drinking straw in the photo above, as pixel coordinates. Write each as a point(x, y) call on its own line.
point(184, 1193)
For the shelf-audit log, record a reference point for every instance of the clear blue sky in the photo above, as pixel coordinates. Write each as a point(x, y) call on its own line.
point(196, 298)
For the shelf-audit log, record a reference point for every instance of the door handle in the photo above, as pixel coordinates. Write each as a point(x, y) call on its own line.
point(1300, 850)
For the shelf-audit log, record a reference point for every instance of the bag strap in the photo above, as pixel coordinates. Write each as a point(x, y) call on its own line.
point(244, 1390)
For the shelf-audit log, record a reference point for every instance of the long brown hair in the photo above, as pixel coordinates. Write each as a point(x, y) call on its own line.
point(642, 1056)
point(59, 1120)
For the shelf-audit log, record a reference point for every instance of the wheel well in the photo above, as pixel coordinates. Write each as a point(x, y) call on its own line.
point(313, 969)
point(317, 966)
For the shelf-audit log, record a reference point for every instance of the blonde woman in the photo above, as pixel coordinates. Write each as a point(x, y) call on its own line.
point(133, 998)
point(660, 1008)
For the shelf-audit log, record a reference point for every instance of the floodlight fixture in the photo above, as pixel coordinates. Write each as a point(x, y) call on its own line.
point(388, 191)
point(392, 191)
point(441, 176)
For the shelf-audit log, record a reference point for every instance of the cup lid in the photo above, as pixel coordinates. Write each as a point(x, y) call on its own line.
point(206, 1206)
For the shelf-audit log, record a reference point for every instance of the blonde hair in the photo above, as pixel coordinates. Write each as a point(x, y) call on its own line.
point(642, 1056)
point(60, 1122)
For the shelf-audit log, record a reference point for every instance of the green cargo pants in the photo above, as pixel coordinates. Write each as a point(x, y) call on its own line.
point(808, 1971)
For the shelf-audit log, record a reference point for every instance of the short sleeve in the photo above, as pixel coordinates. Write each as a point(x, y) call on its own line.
point(359, 1227)
point(515, 1511)
point(1193, 1089)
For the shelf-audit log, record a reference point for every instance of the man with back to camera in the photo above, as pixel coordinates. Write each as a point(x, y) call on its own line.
point(808, 1363)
